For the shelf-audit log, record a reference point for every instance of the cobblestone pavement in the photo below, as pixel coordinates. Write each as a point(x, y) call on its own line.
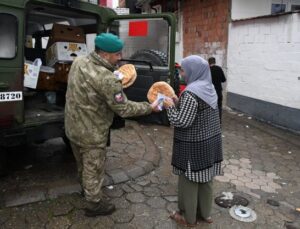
point(261, 164)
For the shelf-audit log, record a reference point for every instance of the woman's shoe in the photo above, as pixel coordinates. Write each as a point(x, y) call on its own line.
point(179, 219)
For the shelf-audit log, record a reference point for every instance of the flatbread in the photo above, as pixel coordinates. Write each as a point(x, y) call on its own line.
point(162, 88)
point(129, 74)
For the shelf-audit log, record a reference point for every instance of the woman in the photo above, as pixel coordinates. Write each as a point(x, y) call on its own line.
point(197, 146)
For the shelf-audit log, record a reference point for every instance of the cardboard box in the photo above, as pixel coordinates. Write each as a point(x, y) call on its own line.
point(31, 73)
point(64, 52)
point(47, 81)
point(66, 33)
point(62, 72)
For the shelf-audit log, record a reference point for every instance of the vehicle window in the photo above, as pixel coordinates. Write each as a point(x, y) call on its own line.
point(8, 35)
point(145, 39)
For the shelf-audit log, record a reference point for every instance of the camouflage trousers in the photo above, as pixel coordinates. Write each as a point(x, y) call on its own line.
point(90, 166)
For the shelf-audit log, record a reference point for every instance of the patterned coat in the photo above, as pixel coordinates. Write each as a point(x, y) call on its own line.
point(93, 95)
point(197, 134)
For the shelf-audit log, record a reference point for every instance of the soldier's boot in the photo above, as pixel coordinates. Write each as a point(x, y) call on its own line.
point(100, 208)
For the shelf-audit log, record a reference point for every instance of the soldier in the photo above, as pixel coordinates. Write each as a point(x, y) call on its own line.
point(94, 94)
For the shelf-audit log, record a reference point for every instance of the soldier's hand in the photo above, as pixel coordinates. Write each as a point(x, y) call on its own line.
point(155, 106)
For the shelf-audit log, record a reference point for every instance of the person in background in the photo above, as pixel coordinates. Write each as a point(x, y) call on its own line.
point(197, 145)
point(93, 95)
point(218, 78)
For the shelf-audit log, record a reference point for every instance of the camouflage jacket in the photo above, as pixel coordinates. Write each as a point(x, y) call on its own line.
point(93, 95)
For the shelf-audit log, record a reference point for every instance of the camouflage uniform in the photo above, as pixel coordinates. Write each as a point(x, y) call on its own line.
point(93, 95)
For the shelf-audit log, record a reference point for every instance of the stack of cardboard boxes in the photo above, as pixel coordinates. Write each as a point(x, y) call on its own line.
point(64, 45)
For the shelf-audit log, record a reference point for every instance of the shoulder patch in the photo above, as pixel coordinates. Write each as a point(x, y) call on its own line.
point(119, 97)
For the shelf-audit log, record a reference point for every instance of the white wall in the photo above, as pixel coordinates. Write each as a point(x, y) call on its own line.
point(264, 59)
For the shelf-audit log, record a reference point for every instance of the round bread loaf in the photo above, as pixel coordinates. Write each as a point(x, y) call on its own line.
point(129, 74)
point(162, 88)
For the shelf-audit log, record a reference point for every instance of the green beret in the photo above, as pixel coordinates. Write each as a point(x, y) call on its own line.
point(109, 42)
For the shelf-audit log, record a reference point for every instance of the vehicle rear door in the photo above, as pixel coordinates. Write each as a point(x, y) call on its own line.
point(11, 65)
point(150, 46)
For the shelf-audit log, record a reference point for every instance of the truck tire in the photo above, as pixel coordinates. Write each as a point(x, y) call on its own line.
point(155, 57)
point(3, 162)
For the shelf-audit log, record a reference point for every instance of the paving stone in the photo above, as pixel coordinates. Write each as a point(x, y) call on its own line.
point(101, 223)
point(143, 183)
point(127, 188)
point(245, 179)
point(232, 167)
point(230, 176)
point(124, 226)
point(116, 191)
point(4, 216)
point(152, 191)
point(59, 188)
point(118, 176)
point(172, 207)
point(252, 176)
point(168, 189)
point(222, 179)
point(252, 185)
point(120, 202)
point(245, 160)
point(59, 222)
point(136, 187)
point(268, 189)
point(17, 221)
point(167, 224)
point(20, 197)
point(146, 165)
point(154, 180)
point(140, 209)
point(272, 175)
point(122, 216)
point(274, 185)
point(61, 207)
point(142, 222)
point(238, 173)
point(237, 183)
point(156, 202)
point(135, 197)
point(171, 198)
point(135, 171)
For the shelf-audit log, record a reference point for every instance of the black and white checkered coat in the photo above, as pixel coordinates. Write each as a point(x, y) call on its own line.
point(197, 134)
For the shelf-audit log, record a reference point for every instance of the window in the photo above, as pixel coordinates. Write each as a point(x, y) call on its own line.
point(8, 35)
point(278, 8)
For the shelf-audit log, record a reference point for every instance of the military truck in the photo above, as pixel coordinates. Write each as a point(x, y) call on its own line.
point(37, 114)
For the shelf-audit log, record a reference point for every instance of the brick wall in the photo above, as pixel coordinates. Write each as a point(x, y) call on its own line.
point(205, 28)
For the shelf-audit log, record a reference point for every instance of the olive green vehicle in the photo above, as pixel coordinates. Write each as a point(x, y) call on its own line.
point(26, 115)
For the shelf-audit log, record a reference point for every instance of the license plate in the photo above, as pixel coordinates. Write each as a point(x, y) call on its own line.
point(11, 96)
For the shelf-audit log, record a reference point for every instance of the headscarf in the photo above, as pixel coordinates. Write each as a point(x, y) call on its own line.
point(198, 79)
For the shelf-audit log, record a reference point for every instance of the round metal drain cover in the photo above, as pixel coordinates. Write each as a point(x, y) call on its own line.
point(243, 214)
point(224, 202)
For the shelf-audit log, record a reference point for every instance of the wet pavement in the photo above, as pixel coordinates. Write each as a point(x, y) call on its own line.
point(261, 164)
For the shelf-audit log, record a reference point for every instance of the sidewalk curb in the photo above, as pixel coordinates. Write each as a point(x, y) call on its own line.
point(145, 165)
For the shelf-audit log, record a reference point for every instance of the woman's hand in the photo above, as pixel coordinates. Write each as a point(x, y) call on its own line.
point(175, 99)
point(168, 102)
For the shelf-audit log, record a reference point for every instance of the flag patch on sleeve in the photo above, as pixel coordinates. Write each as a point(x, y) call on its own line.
point(119, 97)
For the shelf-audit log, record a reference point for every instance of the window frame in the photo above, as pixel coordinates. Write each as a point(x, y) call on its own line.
point(16, 37)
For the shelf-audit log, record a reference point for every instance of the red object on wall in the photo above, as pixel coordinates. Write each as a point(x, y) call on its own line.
point(103, 2)
point(138, 28)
